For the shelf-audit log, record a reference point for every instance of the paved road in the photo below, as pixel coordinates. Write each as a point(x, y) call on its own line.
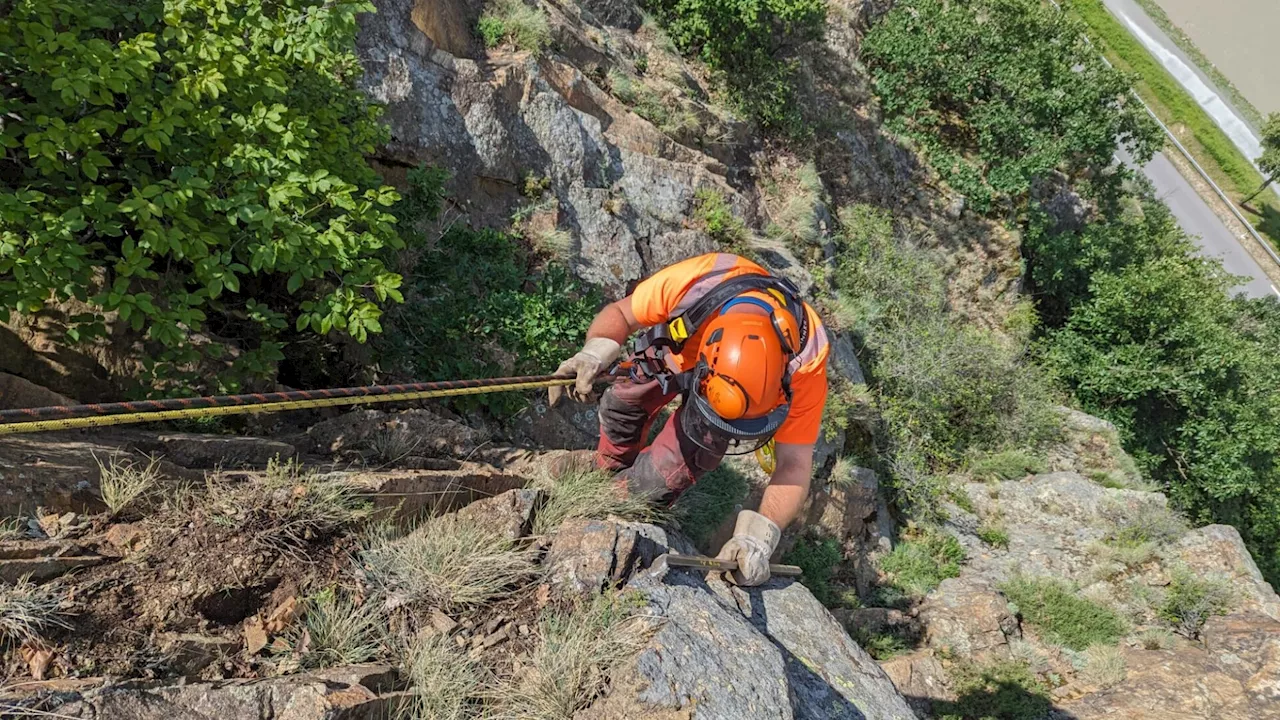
point(1199, 221)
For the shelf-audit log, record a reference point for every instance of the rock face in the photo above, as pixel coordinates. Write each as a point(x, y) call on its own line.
point(725, 653)
point(294, 698)
point(1058, 525)
point(618, 185)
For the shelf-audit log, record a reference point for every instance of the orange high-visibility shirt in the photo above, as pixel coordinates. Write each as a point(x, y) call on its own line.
point(674, 290)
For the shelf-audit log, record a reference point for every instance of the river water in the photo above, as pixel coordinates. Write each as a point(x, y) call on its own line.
point(1240, 37)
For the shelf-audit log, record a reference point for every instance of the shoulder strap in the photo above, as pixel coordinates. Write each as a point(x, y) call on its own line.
point(687, 324)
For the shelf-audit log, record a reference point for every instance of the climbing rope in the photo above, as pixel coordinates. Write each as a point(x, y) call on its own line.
point(71, 417)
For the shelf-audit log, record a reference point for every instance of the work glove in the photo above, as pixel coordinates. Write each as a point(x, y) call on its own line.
point(755, 537)
point(586, 366)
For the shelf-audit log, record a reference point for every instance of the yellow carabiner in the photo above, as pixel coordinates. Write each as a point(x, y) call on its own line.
point(766, 456)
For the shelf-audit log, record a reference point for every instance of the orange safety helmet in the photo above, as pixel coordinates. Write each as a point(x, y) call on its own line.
point(746, 350)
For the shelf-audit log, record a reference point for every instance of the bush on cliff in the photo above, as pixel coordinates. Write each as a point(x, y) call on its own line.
point(192, 168)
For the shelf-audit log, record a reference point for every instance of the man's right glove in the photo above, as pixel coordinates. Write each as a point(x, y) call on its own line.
point(755, 537)
point(594, 358)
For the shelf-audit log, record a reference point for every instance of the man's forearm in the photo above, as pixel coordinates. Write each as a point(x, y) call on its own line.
point(789, 487)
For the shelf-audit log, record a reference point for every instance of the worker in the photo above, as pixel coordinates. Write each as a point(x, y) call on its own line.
point(748, 358)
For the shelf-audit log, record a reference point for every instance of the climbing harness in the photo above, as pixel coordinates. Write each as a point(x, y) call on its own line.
point(652, 359)
point(70, 417)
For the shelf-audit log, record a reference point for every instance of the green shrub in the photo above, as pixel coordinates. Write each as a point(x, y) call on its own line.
point(704, 507)
point(188, 167)
point(881, 645)
point(477, 305)
point(1062, 616)
point(1147, 524)
point(747, 44)
point(946, 390)
point(818, 558)
point(1004, 690)
point(718, 218)
point(1001, 94)
point(1190, 601)
point(525, 26)
point(917, 565)
point(1006, 465)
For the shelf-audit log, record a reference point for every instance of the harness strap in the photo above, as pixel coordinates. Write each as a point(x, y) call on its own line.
point(686, 325)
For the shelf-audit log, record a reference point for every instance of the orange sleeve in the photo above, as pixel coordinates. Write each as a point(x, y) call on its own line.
point(657, 295)
point(808, 398)
point(808, 390)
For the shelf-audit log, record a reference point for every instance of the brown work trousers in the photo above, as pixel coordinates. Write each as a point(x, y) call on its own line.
point(672, 463)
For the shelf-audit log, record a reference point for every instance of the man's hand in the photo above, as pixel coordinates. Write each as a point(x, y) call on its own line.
point(755, 537)
point(594, 358)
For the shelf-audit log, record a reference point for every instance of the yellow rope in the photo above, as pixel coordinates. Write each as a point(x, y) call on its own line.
point(158, 415)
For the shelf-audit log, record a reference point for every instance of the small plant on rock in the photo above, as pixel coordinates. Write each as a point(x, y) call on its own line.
point(513, 21)
point(27, 611)
point(13, 528)
point(125, 483)
point(341, 631)
point(1104, 666)
point(447, 561)
point(1064, 617)
point(1190, 601)
point(1006, 465)
point(1156, 639)
point(993, 533)
point(570, 667)
point(918, 564)
point(718, 218)
point(444, 682)
point(587, 495)
point(817, 557)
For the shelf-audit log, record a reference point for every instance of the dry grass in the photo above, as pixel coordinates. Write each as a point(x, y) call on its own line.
point(1156, 639)
point(27, 611)
point(287, 507)
point(445, 682)
point(449, 562)
point(341, 631)
point(578, 495)
point(126, 483)
point(1104, 666)
point(571, 666)
point(554, 244)
point(792, 202)
point(391, 445)
point(13, 528)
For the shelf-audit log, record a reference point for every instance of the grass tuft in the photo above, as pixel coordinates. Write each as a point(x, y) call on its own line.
point(994, 534)
point(587, 495)
point(1006, 465)
point(447, 561)
point(919, 564)
point(1062, 616)
point(577, 651)
point(1104, 666)
point(1156, 639)
point(444, 681)
point(341, 631)
point(27, 611)
point(13, 528)
point(125, 483)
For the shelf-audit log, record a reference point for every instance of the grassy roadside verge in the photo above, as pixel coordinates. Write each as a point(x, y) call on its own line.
point(1184, 42)
point(1177, 109)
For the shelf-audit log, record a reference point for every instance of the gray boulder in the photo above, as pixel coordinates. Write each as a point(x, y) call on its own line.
point(726, 653)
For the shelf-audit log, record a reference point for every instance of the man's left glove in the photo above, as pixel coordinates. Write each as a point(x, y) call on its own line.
point(755, 537)
point(594, 358)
